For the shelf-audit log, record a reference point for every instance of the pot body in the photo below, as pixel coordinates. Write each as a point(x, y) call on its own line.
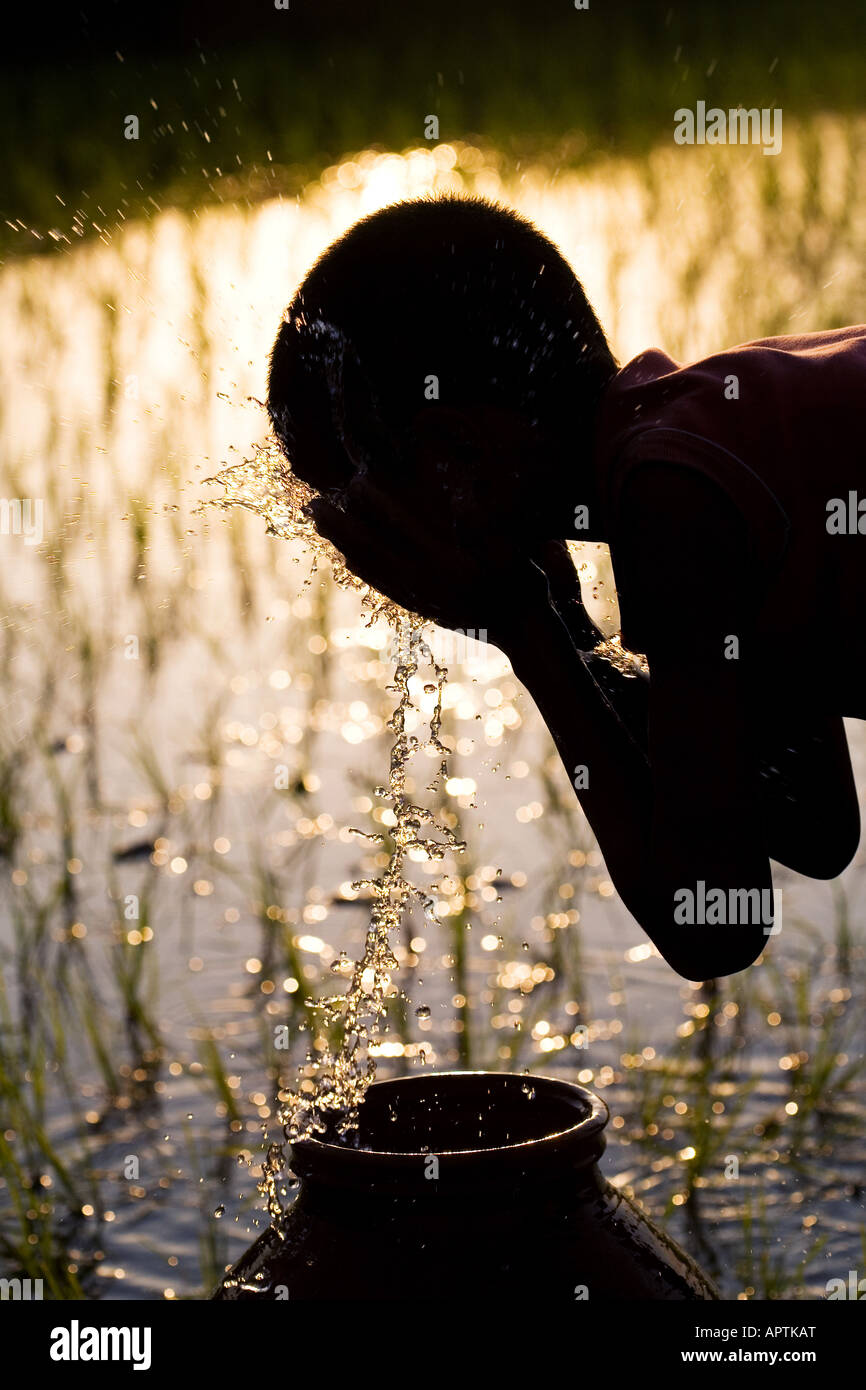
point(539, 1222)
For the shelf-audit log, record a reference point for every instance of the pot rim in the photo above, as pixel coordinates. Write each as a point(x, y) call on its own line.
point(581, 1143)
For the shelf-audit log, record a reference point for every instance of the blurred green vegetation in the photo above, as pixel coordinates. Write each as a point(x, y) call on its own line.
point(240, 106)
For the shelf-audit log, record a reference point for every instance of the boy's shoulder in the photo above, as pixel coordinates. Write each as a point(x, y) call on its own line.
point(752, 440)
point(749, 393)
point(653, 390)
point(739, 397)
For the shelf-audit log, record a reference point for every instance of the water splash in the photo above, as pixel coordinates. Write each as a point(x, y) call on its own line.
point(334, 1081)
point(628, 663)
point(265, 485)
point(330, 1086)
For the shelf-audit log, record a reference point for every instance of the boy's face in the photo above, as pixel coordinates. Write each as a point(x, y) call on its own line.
point(470, 474)
point(487, 470)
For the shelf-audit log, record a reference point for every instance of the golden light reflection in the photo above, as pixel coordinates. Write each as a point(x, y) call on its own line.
point(54, 311)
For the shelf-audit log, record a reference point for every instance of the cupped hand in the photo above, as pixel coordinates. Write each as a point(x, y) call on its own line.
point(412, 556)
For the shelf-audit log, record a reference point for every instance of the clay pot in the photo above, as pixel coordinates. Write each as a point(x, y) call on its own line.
point(473, 1185)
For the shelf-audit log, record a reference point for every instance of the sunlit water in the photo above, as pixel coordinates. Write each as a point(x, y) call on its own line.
point(195, 728)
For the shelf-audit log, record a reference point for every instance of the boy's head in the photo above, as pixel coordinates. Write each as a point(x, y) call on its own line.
point(446, 338)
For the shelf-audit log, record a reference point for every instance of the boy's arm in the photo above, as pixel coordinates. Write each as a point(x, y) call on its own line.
point(626, 691)
point(809, 810)
point(654, 837)
point(808, 797)
point(688, 815)
point(797, 796)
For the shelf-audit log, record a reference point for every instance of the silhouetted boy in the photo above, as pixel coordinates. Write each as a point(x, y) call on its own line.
point(442, 381)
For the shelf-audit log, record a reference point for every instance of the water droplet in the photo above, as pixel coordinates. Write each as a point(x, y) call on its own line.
point(423, 1011)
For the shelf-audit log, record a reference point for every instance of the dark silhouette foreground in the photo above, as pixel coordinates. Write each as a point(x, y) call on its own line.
point(442, 381)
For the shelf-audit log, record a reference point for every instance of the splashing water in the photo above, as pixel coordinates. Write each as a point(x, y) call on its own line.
point(628, 663)
point(266, 485)
point(332, 1083)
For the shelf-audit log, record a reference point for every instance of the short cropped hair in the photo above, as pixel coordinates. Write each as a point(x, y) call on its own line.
point(453, 300)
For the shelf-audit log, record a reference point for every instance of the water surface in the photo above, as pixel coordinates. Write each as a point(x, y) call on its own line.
point(193, 724)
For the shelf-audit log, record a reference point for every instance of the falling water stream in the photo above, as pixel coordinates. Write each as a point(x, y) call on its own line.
point(331, 1084)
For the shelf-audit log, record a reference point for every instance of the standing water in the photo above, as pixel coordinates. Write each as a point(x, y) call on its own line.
point(166, 902)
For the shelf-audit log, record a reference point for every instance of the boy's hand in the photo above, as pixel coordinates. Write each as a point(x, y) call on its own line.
point(411, 556)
